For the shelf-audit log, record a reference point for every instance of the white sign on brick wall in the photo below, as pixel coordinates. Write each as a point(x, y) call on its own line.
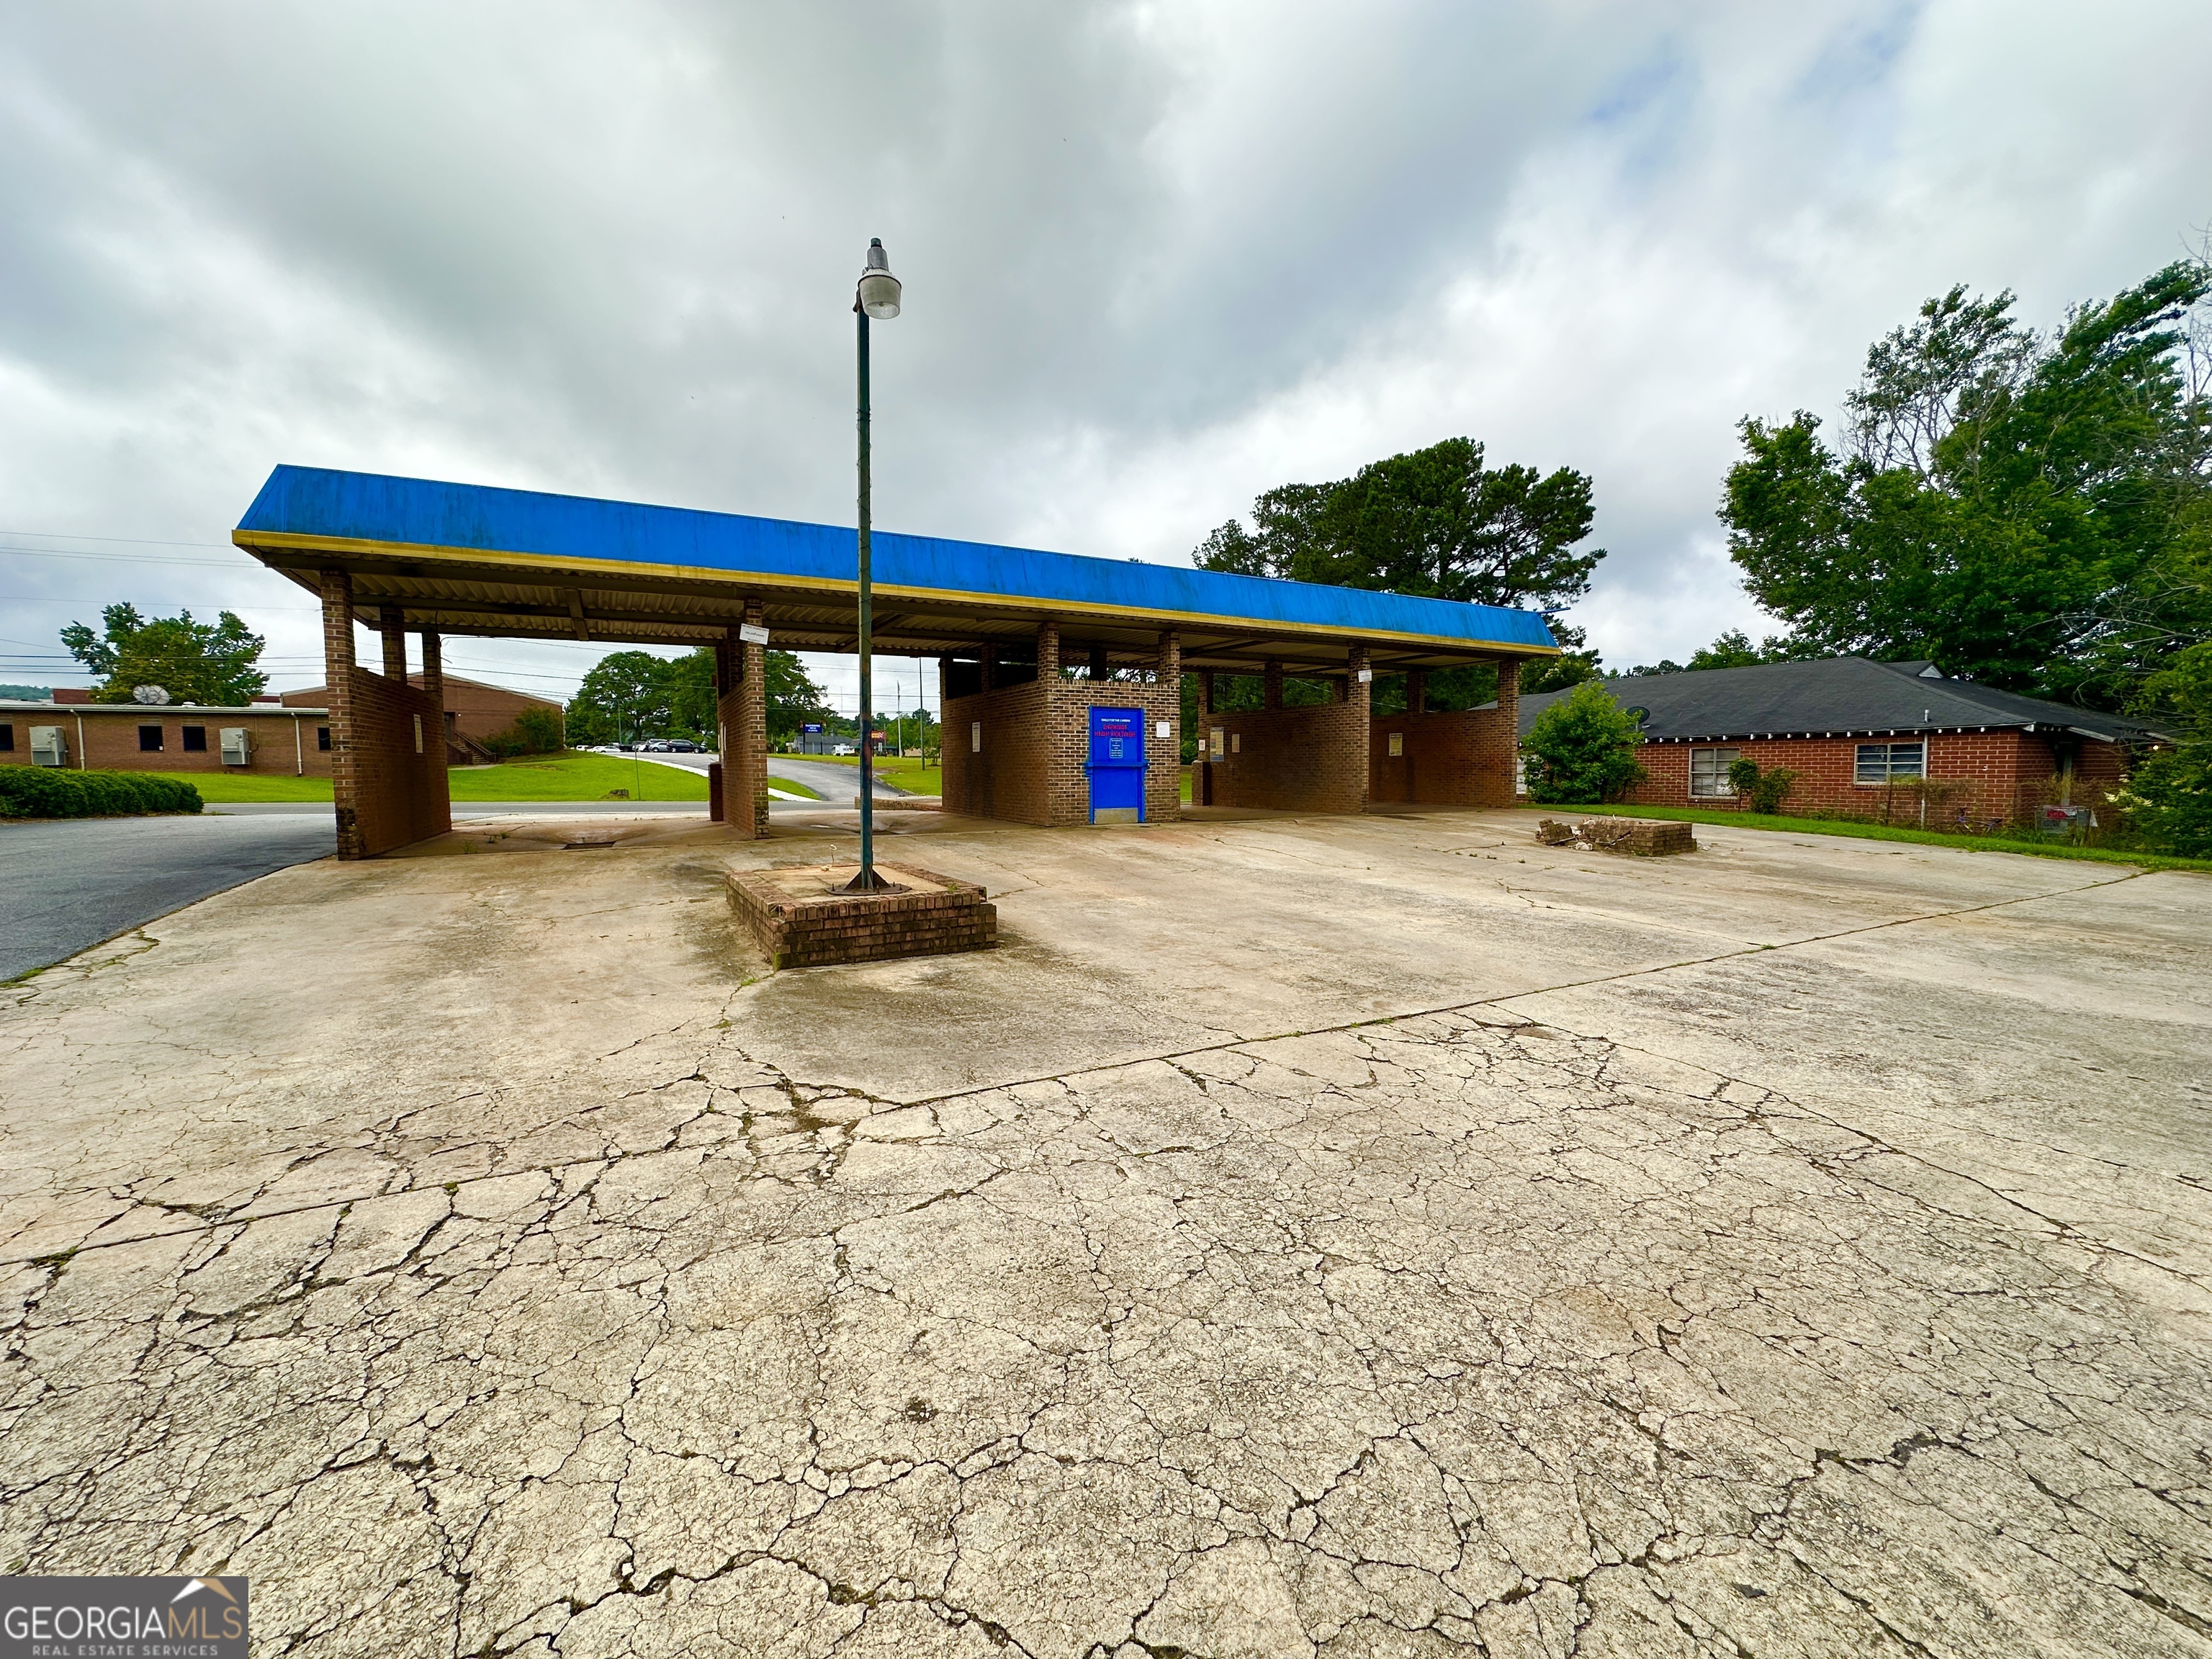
point(752, 634)
point(975, 738)
point(1162, 731)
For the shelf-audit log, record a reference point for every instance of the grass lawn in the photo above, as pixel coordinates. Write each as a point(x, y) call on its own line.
point(217, 787)
point(574, 776)
point(2033, 847)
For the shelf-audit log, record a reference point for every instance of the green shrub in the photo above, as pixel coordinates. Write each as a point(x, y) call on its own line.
point(534, 732)
point(1766, 789)
point(47, 792)
point(2167, 801)
point(1582, 747)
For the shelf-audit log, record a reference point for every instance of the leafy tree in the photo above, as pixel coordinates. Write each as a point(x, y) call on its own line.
point(2169, 794)
point(624, 696)
point(1438, 522)
point(635, 693)
point(690, 683)
point(792, 696)
point(2027, 510)
point(192, 661)
point(1570, 667)
point(1582, 747)
point(1734, 649)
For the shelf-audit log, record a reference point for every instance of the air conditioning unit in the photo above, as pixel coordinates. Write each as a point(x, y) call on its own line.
point(48, 747)
point(237, 746)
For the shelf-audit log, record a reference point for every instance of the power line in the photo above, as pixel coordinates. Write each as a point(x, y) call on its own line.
point(139, 541)
point(131, 558)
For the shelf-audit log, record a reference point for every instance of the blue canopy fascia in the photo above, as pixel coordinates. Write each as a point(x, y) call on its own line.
point(316, 507)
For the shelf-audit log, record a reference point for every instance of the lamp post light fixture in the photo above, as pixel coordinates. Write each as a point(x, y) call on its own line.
point(876, 296)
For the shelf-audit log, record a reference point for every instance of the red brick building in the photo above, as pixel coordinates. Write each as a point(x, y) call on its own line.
point(1864, 736)
point(177, 736)
point(474, 711)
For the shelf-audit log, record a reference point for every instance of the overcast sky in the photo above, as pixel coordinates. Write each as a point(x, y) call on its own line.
point(1158, 259)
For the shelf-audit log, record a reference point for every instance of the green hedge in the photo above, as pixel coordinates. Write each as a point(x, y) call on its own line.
point(47, 792)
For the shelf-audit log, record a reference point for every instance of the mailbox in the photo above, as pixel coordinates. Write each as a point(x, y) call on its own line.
point(237, 746)
point(1117, 765)
point(48, 747)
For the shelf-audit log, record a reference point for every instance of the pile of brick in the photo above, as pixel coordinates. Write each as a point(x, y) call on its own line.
point(1637, 837)
point(800, 918)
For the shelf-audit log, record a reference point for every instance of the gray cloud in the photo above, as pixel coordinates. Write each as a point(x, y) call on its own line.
point(1159, 258)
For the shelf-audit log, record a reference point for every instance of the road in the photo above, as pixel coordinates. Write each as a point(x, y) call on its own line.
point(834, 783)
point(65, 886)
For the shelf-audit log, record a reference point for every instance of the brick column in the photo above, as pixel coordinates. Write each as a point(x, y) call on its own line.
point(1163, 781)
point(1417, 691)
point(748, 783)
point(1509, 722)
point(434, 681)
point(337, 673)
point(1048, 655)
point(392, 621)
point(1271, 686)
point(1361, 694)
point(1205, 690)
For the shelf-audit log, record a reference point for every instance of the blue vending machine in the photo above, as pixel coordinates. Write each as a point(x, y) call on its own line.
point(1117, 765)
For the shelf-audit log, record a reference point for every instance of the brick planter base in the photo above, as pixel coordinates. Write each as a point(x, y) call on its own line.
point(799, 919)
point(1638, 837)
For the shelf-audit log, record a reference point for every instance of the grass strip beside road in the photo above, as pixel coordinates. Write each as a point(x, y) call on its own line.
point(573, 776)
point(221, 788)
point(1854, 830)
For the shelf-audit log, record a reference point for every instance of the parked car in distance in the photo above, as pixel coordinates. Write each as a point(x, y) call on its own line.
point(654, 745)
point(682, 746)
point(842, 749)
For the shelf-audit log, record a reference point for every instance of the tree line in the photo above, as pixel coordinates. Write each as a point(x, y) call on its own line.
point(2032, 510)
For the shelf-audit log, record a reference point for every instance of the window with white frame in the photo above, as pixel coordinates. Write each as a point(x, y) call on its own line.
point(1709, 769)
point(1879, 762)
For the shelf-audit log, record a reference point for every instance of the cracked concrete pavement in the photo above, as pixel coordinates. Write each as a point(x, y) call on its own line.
point(1345, 1238)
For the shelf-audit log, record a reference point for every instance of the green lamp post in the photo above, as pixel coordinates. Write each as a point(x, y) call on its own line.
point(877, 297)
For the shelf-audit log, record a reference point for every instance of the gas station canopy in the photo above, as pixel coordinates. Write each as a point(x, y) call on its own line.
point(467, 559)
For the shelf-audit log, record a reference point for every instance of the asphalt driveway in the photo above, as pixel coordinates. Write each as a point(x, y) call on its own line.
point(67, 885)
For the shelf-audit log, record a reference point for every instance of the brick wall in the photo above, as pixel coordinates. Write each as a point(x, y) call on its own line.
point(1313, 759)
point(1068, 780)
point(1005, 774)
point(1463, 759)
point(473, 708)
point(1032, 766)
point(388, 794)
point(110, 742)
point(1992, 768)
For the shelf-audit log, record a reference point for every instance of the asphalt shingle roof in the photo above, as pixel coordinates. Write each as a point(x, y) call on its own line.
point(1834, 695)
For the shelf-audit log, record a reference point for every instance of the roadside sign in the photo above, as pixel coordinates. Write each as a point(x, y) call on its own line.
point(813, 728)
